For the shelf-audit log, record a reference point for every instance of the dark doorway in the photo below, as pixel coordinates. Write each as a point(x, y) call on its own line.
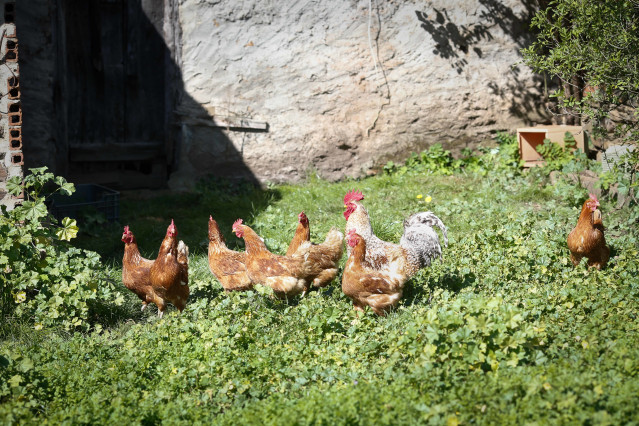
point(112, 67)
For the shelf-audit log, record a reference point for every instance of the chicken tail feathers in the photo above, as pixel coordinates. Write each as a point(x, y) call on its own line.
point(334, 236)
point(428, 219)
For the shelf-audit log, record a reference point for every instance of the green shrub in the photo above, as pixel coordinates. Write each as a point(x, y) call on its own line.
point(438, 161)
point(42, 278)
point(555, 156)
point(623, 177)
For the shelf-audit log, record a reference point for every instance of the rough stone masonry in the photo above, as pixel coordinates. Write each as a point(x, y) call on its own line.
point(345, 87)
point(274, 90)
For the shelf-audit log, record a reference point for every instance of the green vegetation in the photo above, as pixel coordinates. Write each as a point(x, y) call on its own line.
point(503, 330)
point(43, 278)
point(591, 46)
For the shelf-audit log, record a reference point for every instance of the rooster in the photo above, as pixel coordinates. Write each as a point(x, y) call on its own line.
point(228, 266)
point(587, 238)
point(381, 290)
point(418, 247)
point(302, 234)
point(325, 256)
point(290, 275)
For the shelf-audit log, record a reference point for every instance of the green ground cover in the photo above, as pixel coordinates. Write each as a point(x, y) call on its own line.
point(503, 330)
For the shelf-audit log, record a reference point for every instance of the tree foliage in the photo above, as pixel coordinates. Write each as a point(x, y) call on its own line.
point(592, 46)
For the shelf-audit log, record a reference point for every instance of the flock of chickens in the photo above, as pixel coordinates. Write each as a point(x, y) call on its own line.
point(374, 274)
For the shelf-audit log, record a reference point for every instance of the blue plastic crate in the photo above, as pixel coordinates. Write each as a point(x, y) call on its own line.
point(88, 198)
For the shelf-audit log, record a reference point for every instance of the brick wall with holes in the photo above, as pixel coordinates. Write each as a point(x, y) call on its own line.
point(11, 156)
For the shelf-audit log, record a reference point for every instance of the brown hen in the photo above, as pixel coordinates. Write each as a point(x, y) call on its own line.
point(228, 266)
point(366, 286)
point(136, 270)
point(587, 238)
point(324, 258)
point(160, 281)
point(287, 275)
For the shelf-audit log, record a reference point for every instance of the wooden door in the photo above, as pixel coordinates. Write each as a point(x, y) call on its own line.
point(112, 78)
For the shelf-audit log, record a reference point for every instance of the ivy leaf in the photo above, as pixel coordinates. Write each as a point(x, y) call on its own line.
point(68, 230)
point(26, 365)
point(66, 188)
point(15, 381)
point(34, 210)
point(14, 186)
point(36, 171)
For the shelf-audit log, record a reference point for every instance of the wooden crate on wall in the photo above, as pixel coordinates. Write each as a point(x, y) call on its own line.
point(530, 137)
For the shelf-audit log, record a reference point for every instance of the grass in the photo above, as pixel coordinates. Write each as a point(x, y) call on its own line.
point(503, 330)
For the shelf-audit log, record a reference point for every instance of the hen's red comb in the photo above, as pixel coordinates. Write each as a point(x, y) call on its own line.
point(593, 197)
point(237, 223)
point(302, 217)
point(172, 228)
point(353, 195)
point(351, 238)
point(210, 217)
point(126, 229)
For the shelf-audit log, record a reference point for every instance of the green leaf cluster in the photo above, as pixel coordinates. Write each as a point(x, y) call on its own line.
point(438, 161)
point(43, 279)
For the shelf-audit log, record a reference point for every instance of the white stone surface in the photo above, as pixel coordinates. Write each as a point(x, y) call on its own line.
point(306, 68)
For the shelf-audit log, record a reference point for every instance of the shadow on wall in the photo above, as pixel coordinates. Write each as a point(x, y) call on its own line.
point(122, 115)
point(454, 42)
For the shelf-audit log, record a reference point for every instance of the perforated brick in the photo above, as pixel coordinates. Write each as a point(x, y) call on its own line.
point(11, 154)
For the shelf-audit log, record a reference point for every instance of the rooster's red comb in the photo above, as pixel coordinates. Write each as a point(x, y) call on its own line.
point(353, 195)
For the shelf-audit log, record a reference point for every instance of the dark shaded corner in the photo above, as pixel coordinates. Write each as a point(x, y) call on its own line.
point(105, 102)
point(117, 104)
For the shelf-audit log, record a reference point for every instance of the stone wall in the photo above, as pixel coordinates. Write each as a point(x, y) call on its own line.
point(271, 90)
point(345, 88)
